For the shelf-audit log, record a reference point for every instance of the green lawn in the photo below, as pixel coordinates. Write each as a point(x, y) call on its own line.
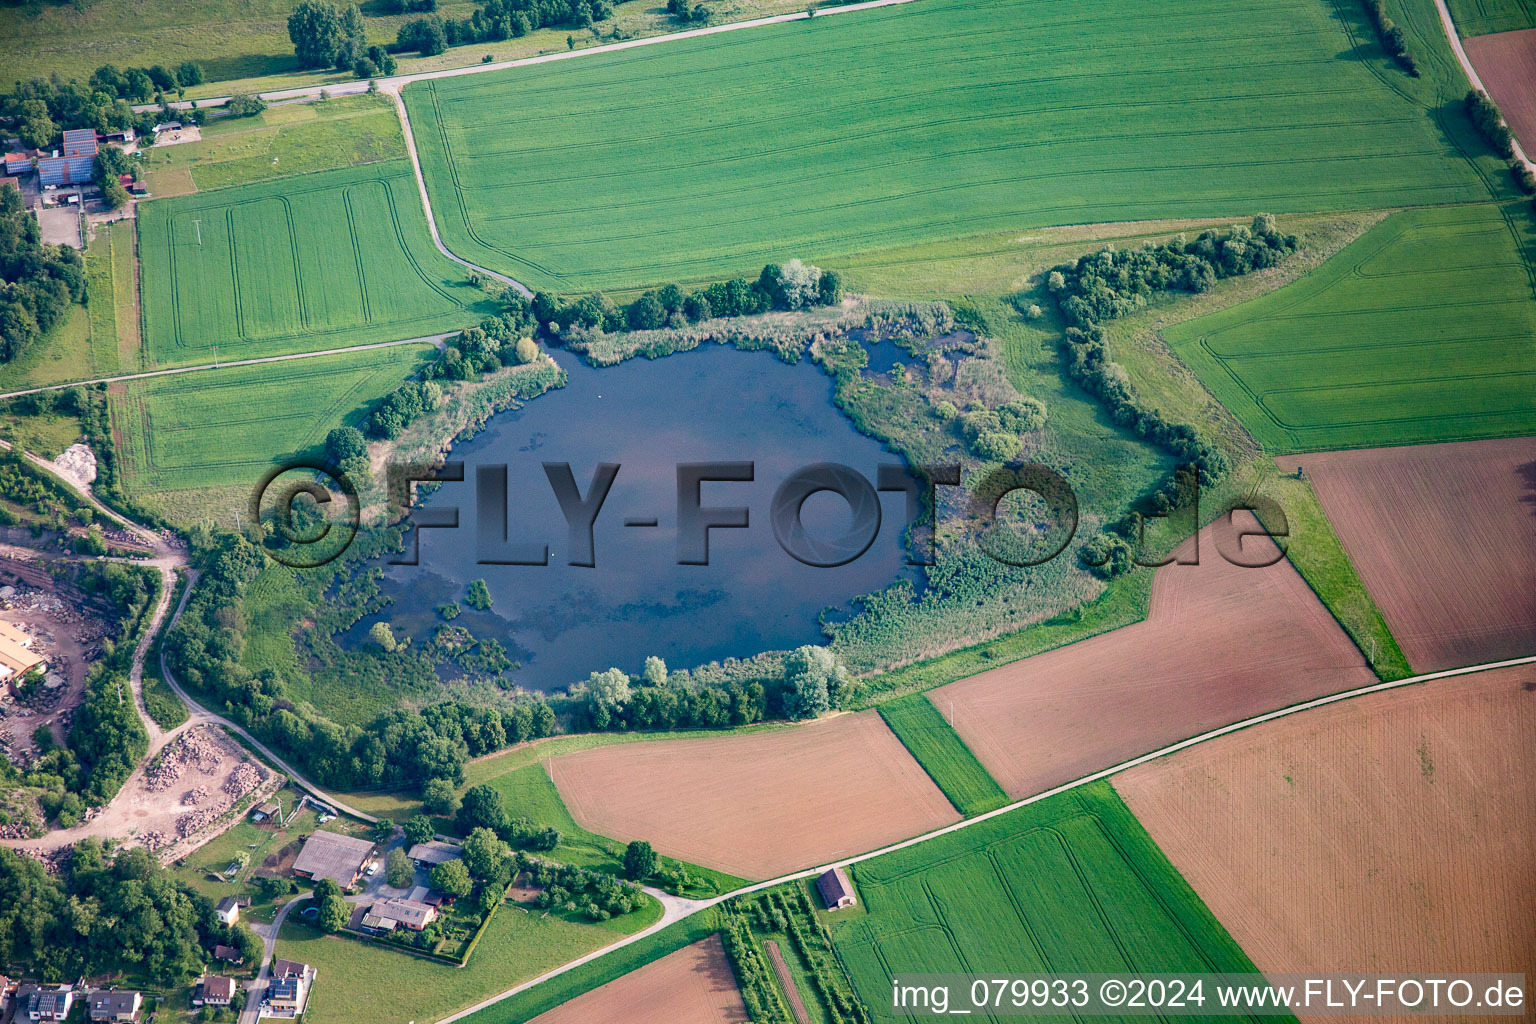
point(923, 731)
point(829, 138)
point(1422, 330)
point(226, 428)
point(519, 944)
point(321, 261)
point(343, 132)
point(1069, 884)
point(1480, 17)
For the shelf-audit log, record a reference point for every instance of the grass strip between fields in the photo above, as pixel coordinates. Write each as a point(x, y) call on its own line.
point(529, 1004)
point(944, 756)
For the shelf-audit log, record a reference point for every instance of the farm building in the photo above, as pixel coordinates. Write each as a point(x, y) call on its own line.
point(80, 142)
point(213, 990)
point(337, 857)
point(20, 163)
point(11, 181)
point(267, 810)
point(431, 854)
point(387, 915)
point(105, 1005)
point(125, 136)
point(836, 891)
point(65, 170)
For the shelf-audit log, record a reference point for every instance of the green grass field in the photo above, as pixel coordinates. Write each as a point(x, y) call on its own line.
point(948, 761)
point(344, 132)
point(1480, 17)
point(926, 121)
point(1422, 330)
point(217, 428)
point(518, 945)
point(1073, 883)
point(321, 261)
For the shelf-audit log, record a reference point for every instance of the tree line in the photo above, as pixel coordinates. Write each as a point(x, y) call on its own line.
point(1392, 38)
point(429, 747)
point(498, 20)
point(788, 286)
point(1489, 122)
point(44, 107)
point(38, 282)
point(1110, 284)
point(106, 913)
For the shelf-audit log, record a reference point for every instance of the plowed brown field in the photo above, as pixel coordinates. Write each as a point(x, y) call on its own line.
point(1391, 832)
point(1444, 538)
point(761, 804)
point(1506, 62)
point(692, 986)
point(1221, 643)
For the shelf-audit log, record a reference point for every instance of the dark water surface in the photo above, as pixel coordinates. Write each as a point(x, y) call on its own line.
point(712, 404)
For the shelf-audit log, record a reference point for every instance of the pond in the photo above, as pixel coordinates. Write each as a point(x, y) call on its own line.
point(714, 404)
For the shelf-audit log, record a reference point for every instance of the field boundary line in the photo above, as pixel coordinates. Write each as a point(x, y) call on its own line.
point(1103, 773)
point(437, 340)
point(1449, 24)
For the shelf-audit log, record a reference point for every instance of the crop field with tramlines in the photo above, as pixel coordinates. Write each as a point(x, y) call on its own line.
point(1479, 17)
point(217, 428)
point(1422, 330)
point(302, 264)
point(1069, 884)
point(825, 138)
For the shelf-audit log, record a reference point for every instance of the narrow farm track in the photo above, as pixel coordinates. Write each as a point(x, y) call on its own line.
point(392, 86)
point(674, 908)
point(439, 340)
point(1015, 805)
point(1449, 24)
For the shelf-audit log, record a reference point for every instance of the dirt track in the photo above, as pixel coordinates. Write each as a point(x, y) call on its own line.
point(1221, 643)
point(695, 985)
point(761, 804)
point(1444, 538)
point(1387, 833)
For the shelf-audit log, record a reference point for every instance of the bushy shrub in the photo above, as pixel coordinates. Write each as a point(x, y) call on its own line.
point(1022, 415)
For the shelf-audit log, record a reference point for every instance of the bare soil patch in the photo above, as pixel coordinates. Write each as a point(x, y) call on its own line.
point(66, 632)
point(1506, 62)
point(760, 804)
point(179, 798)
point(692, 986)
point(1221, 643)
point(1391, 832)
point(786, 981)
point(1444, 538)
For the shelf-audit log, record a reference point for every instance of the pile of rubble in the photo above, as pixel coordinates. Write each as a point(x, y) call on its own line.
point(152, 839)
point(192, 749)
point(243, 779)
point(193, 797)
point(196, 821)
point(16, 830)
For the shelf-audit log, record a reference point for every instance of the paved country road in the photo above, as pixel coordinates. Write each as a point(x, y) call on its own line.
point(439, 340)
point(393, 85)
point(698, 905)
point(1447, 23)
point(674, 908)
point(310, 92)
